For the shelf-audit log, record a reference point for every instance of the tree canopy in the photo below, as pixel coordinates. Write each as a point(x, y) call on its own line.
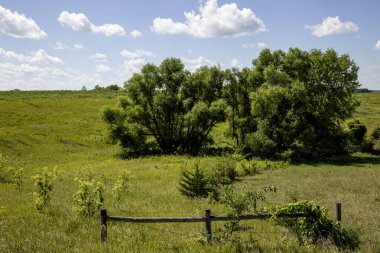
point(175, 107)
point(298, 102)
point(289, 105)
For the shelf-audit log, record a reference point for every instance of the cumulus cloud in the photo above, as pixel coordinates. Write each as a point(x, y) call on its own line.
point(39, 57)
point(78, 46)
point(133, 65)
point(136, 34)
point(79, 22)
point(31, 77)
point(213, 21)
point(259, 45)
point(137, 54)
point(377, 46)
point(19, 26)
point(61, 46)
point(332, 25)
point(102, 68)
point(235, 63)
point(195, 63)
point(98, 57)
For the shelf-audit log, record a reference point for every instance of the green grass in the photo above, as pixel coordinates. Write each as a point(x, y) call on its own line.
point(64, 129)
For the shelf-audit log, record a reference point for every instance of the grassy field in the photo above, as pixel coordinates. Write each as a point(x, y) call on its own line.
point(64, 129)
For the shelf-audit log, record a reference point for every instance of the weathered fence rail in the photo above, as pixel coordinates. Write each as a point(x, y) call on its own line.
point(207, 219)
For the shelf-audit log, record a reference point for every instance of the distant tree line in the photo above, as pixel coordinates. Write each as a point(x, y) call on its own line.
point(289, 105)
point(113, 87)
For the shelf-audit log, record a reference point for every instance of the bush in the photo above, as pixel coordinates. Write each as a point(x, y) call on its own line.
point(121, 185)
point(357, 131)
point(315, 227)
point(89, 197)
point(376, 133)
point(44, 182)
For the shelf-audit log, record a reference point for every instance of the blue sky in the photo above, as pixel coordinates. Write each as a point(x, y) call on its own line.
point(67, 44)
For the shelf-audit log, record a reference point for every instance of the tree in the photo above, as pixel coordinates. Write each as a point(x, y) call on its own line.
point(236, 93)
point(177, 108)
point(299, 100)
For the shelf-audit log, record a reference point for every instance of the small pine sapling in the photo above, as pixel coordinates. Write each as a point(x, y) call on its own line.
point(193, 183)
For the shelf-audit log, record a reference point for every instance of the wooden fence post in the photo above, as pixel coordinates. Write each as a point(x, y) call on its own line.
point(103, 225)
point(338, 211)
point(208, 225)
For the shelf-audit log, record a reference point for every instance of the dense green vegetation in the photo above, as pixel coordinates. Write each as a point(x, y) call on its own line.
point(289, 106)
point(64, 129)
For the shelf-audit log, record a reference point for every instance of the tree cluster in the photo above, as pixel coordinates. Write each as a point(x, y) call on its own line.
point(289, 105)
point(168, 107)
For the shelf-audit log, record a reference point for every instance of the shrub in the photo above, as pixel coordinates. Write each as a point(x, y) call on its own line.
point(245, 167)
point(315, 227)
point(17, 177)
point(44, 182)
point(121, 185)
point(89, 197)
point(3, 165)
point(357, 131)
point(376, 133)
point(193, 183)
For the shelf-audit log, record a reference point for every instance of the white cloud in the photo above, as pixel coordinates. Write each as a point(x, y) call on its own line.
point(78, 46)
point(332, 25)
point(79, 22)
point(213, 21)
point(377, 46)
point(195, 63)
point(30, 77)
point(61, 46)
point(102, 68)
point(260, 45)
point(136, 34)
point(98, 57)
point(19, 26)
point(39, 57)
point(235, 63)
point(133, 65)
point(137, 54)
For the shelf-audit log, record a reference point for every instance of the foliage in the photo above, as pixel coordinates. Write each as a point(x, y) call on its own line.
point(357, 131)
point(239, 204)
point(223, 172)
point(3, 165)
point(44, 182)
point(315, 227)
point(244, 202)
point(112, 87)
point(121, 185)
point(193, 183)
point(298, 101)
point(17, 177)
point(89, 197)
point(175, 107)
point(376, 133)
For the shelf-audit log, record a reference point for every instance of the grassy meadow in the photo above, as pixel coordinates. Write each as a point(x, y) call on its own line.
point(64, 129)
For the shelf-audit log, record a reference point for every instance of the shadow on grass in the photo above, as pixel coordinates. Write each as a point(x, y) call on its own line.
point(345, 160)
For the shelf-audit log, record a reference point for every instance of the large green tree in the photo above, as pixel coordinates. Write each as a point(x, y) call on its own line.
point(298, 101)
point(175, 107)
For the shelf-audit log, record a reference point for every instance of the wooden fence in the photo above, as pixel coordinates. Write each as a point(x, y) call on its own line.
point(207, 219)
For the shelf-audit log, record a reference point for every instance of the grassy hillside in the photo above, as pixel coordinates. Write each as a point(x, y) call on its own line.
point(64, 129)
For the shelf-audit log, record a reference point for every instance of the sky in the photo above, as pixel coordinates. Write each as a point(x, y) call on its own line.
point(64, 45)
